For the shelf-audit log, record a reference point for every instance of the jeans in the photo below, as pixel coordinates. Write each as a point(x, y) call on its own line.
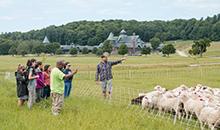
point(31, 95)
point(67, 89)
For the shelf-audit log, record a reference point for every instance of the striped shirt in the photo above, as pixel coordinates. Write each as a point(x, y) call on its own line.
point(104, 70)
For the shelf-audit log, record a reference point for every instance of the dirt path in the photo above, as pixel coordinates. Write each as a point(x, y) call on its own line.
point(181, 53)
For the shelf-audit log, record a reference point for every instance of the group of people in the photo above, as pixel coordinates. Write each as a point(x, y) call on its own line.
point(33, 82)
point(37, 81)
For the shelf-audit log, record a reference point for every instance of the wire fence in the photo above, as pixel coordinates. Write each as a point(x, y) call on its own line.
point(122, 96)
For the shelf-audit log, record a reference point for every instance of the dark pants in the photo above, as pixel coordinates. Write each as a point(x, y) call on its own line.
point(67, 89)
point(39, 94)
point(46, 92)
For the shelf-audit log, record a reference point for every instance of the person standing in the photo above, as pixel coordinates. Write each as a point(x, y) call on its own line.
point(39, 81)
point(46, 74)
point(67, 82)
point(57, 78)
point(21, 82)
point(32, 76)
point(104, 74)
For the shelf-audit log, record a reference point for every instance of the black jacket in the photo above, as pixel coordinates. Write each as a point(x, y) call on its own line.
point(21, 81)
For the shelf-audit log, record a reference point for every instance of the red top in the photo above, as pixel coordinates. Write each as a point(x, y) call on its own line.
point(46, 78)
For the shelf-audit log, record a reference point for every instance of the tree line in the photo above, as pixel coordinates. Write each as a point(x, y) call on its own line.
point(94, 32)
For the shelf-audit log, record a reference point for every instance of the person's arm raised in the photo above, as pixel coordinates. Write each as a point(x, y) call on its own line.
point(118, 62)
point(30, 77)
point(67, 76)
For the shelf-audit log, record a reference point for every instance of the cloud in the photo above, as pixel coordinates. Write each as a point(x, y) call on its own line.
point(5, 3)
point(198, 4)
point(7, 18)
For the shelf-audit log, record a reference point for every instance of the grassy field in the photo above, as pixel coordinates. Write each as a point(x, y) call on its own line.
point(86, 110)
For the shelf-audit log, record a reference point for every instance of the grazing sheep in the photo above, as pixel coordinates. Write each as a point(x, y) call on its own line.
point(201, 101)
point(166, 104)
point(137, 101)
point(210, 116)
point(150, 100)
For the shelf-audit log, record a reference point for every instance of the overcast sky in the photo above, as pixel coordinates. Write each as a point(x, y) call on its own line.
point(25, 15)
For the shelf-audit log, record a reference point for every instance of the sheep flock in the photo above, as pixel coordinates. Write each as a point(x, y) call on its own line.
point(199, 102)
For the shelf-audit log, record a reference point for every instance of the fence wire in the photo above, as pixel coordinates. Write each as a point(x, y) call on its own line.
point(122, 96)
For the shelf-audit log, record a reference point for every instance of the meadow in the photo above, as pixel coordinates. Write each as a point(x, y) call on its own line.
point(86, 110)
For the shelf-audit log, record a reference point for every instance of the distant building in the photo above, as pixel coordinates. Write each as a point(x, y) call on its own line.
point(133, 42)
point(66, 48)
point(46, 41)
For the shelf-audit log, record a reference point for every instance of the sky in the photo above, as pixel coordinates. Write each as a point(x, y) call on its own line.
point(26, 15)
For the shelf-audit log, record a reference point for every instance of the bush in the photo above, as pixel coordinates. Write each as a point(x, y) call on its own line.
point(59, 51)
point(146, 50)
point(85, 50)
point(107, 46)
point(123, 49)
point(99, 52)
point(73, 51)
point(94, 50)
point(168, 49)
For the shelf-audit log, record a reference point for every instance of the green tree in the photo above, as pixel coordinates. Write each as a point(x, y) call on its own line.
point(85, 50)
point(94, 50)
point(12, 51)
point(146, 50)
point(107, 46)
point(155, 43)
point(4, 48)
point(123, 49)
point(168, 49)
point(59, 51)
point(200, 46)
point(73, 51)
point(38, 49)
point(23, 48)
point(99, 52)
point(51, 48)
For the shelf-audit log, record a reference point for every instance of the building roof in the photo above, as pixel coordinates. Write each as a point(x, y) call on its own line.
point(123, 38)
point(111, 36)
point(45, 41)
point(123, 32)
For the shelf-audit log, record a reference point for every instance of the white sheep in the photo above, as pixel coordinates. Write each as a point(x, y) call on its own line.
point(210, 116)
point(150, 100)
point(166, 104)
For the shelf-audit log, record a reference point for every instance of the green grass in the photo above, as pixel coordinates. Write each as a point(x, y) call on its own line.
point(86, 109)
point(79, 113)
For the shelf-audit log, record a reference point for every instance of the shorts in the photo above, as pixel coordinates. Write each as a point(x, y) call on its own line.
point(106, 85)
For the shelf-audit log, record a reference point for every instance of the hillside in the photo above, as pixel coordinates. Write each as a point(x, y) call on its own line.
point(95, 32)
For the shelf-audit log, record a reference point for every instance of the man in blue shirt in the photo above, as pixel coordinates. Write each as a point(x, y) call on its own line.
point(68, 81)
point(104, 74)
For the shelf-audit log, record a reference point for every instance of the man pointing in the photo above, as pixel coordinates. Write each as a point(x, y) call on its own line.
point(104, 74)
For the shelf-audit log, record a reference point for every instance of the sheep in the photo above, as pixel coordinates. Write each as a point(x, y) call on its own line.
point(184, 100)
point(192, 106)
point(137, 101)
point(166, 104)
point(210, 116)
point(150, 100)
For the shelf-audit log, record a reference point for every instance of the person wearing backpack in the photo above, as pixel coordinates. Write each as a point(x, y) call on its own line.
point(40, 81)
point(21, 83)
point(32, 76)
